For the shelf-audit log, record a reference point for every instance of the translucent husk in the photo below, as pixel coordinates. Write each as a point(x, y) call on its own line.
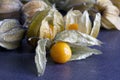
point(11, 34)
point(83, 52)
point(76, 38)
point(48, 28)
point(34, 26)
point(30, 8)
point(83, 22)
point(96, 25)
point(79, 43)
point(72, 17)
point(109, 14)
point(116, 3)
point(51, 24)
point(40, 57)
point(46, 24)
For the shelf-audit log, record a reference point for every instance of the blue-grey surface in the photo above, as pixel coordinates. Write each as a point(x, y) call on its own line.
point(19, 64)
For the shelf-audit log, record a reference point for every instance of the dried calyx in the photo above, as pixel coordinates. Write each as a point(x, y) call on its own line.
point(11, 33)
point(30, 8)
point(109, 9)
point(75, 20)
point(48, 27)
point(10, 9)
point(109, 14)
point(116, 3)
point(45, 24)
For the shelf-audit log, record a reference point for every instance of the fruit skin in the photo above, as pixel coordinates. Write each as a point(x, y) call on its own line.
point(60, 52)
point(73, 27)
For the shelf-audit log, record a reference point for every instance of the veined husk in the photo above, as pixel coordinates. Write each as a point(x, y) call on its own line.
point(78, 42)
point(10, 9)
point(83, 52)
point(11, 34)
point(76, 4)
point(51, 25)
point(40, 57)
point(83, 21)
point(30, 8)
point(109, 14)
point(48, 27)
point(116, 3)
point(46, 24)
point(73, 16)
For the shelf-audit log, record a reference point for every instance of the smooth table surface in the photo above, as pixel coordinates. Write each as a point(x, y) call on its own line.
point(19, 64)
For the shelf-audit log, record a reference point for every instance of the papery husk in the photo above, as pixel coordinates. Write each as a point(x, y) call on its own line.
point(79, 43)
point(34, 26)
point(40, 56)
point(106, 7)
point(85, 23)
point(72, 17)
point(15, 34)
point(96, 26)
point(109, 13)
point(107, 24)
point(51, 24)
point(104, 2)
point(46, 30)
point(11, 34)
point(76, 17)
point(30, 8)
point(8, 24)
point(10, 9)
point(116, 3)
point(46, 24)
point(9, 45)
point(114, 21)
point(83, 52)
point(1, 22)
point(76, 38)
point(113, 10)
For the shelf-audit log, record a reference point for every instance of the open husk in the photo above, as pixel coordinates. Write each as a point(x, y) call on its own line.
point(75, 20)
point(45, 24)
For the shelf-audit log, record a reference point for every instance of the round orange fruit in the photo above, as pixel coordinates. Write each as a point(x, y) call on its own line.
point(60, 52)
